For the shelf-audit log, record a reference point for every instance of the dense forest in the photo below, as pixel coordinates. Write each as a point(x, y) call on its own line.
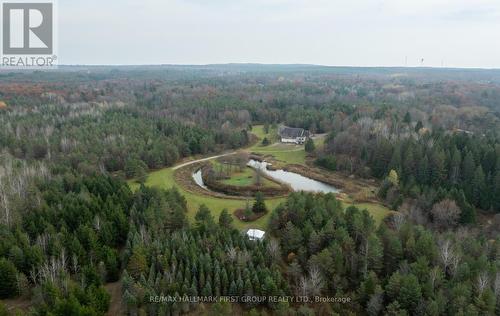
point(426, 165)
point(395, 269)
point(66, 245)
point(70, 225)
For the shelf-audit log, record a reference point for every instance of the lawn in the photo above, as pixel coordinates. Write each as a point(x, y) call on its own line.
point(244, 178)
point(377, 211)
point(287, 153)
point(272, 136)
point(247, 178)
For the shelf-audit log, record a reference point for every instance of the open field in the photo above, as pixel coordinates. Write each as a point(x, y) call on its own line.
point(243, 178)
point(272, 136)
point(377, 211)
point(164, 178)
point(248, 177)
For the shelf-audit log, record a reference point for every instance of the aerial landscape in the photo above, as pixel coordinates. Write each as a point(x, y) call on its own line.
point(124, 184)
point(187, 160)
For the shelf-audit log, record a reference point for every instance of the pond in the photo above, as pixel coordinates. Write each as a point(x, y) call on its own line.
point(199, 180)
point(296, 181)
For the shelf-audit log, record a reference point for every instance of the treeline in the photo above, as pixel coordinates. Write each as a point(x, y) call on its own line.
point(168, 258)
point(67, 245)
point(396, 268)
point(90, 138)
point(425, 163)
point(443, 161)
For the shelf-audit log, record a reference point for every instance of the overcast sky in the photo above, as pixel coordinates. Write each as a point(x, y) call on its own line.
point(453, 33)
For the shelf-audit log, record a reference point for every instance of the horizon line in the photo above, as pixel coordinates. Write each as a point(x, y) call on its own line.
point(274, 64)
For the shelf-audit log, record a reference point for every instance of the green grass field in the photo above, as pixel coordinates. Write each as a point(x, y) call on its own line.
point(247, 178)
point(244, 178)
point(272, 136)
point(164, 178)
point(286, 153)
point(377, 211)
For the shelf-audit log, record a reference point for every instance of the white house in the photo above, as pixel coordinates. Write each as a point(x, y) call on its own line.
point(293, 135)
point(255, 234)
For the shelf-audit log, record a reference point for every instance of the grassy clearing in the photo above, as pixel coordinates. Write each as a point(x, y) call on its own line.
point(286, 153)
point(377, 211)
point(248, 177)
point(164, 179)
point(288, 156)
point(272, 136)
point(244, 178)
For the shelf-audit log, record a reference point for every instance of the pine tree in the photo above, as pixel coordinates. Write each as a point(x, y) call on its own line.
point(309, 146)
point(407, 118)
point(409, 166)
point(8, 280)
point(496, 192)
point(456, 161)
point(409, 292)
point(423, 171)
point(437, 167)
point(259, 206)
point(468, 169)
point(419, 126)
point(478, 186)
point(137, 264)
point(395, 163)
point(292, 239)
point(225, 219)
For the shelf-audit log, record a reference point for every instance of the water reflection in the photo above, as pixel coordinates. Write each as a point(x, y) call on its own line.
point(199, 179)
point(296, 181)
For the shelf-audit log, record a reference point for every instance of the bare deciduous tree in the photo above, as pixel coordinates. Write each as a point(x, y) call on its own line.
point(398, 220)
point(375, 304)
point(445, 214)
point(273, 248)
point(496, 285)
point(312, 284)
point(450, 258)
point(482, 282)
point(232, 254)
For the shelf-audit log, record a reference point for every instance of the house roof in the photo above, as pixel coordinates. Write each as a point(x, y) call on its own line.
point(255, 234)
point(291, 132)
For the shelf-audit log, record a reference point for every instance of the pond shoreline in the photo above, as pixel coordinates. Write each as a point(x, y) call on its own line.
point(297, 180)
point(243, 191)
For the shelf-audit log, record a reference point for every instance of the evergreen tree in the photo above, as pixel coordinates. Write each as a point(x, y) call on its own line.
point(259, 206)
point(478, 187)
point(419, 126)
point(8, 279)
point(409, 292)
point(225, 219)
point(407, 118)
point(309, 146)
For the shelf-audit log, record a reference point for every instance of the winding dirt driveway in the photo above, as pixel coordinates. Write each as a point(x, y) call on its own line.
point(202, 159)
point(318, 136)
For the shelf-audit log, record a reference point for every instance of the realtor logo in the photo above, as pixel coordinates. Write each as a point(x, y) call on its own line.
point(28, 34)
point(27, 28)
